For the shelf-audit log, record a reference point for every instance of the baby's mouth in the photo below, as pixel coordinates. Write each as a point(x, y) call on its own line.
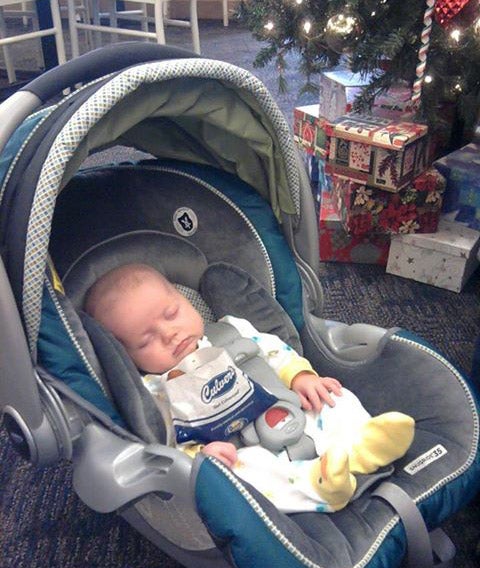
point(182, 346)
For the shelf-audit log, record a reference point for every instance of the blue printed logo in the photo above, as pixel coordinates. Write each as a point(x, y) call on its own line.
point(219, 385)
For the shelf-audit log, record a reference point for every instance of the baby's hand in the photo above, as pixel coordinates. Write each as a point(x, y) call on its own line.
point(223, 451)
point(314, 391)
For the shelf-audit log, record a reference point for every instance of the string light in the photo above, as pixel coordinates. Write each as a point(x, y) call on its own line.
point(269, 26)
point(456, 34)
point(476, 26)
point(307, 26)
point(428, 79)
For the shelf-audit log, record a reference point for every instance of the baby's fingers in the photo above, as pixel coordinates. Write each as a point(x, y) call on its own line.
point(324, 395)
point(333, 385)
point(304, 402)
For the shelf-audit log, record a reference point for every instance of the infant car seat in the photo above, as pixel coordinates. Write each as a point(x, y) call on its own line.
point(227, 214)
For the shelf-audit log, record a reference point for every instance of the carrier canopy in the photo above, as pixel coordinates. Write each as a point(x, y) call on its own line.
point(197, 110)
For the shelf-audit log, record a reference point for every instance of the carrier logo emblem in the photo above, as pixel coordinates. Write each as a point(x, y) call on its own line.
point(185, 221)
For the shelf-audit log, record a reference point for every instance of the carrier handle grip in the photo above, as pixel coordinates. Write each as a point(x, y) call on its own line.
point(87, 67)
point(98, 63)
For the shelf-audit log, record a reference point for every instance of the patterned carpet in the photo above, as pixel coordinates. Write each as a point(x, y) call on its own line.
point(44, 525)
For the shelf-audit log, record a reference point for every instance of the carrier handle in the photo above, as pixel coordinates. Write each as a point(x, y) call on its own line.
point(98, 63)
point(87, 67)
point(110, 472)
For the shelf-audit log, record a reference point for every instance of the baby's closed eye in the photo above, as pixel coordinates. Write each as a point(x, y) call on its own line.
point(145, 342)
point(171, 312)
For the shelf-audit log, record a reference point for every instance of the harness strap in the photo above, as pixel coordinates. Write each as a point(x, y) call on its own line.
point(443, 548)
point(245, 354)
point(90, 408)
point(421, 545)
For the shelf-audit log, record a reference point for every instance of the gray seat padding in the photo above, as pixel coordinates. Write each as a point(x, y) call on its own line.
point(229, 290)
point(108, 202)
point(160, 250)
point(136, 406)
point(438, 466)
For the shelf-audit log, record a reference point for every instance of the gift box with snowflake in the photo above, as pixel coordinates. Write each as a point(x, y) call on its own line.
point(413, 209)
point(378, 152)
point(445, 259)
point(462, 172)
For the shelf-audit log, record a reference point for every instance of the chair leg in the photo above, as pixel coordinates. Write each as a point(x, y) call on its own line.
point(88, 19)
point(95, 13)
point(72, 21)
point(144, 18)
point(112, 18)
point(24, 8)
point(159, 28)
point(194, 26)
point(57, 24)
point(35, 24)
point(12, 76)
point(225, 12)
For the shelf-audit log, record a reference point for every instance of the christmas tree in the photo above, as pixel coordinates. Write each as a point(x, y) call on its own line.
point(433, 46)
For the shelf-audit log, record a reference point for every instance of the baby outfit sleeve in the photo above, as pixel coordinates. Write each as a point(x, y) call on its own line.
point(284, 360)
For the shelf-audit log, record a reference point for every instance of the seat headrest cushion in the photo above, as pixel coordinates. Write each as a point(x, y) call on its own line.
point(175, 257)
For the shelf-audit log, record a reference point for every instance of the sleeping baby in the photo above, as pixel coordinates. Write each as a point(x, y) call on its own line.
point(208, 400)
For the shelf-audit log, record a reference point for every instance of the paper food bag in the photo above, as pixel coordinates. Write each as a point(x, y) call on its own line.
point(211, 398)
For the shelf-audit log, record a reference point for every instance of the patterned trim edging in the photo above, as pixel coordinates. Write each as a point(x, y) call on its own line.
point(46, 113)
point(42, 115)
point(87, 116)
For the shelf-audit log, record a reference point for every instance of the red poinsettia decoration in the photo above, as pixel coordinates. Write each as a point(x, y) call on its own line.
point(361, 224)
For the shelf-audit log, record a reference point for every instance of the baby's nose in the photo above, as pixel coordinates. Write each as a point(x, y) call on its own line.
point(169, 333)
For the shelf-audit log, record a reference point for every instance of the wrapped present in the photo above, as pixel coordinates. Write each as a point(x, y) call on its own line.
point(309, 130)
point(325, 180)
point(468, 216)
point(312, 167)
point(461, 169)
point(378, 152)
point(445, 259)
point(338, 89)
point(395, 103)
point(304, 126)
point(320, 181)
point(413, 209)
point(337, 245)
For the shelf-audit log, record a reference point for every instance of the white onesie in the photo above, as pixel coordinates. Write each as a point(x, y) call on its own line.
point(286, 483)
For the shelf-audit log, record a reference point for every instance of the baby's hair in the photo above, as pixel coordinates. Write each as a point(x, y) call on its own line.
point(115, 282)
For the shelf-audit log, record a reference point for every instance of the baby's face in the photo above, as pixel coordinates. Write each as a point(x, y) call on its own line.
point(156, 324)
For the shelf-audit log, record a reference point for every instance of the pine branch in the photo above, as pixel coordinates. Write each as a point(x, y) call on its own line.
point(390, 43)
